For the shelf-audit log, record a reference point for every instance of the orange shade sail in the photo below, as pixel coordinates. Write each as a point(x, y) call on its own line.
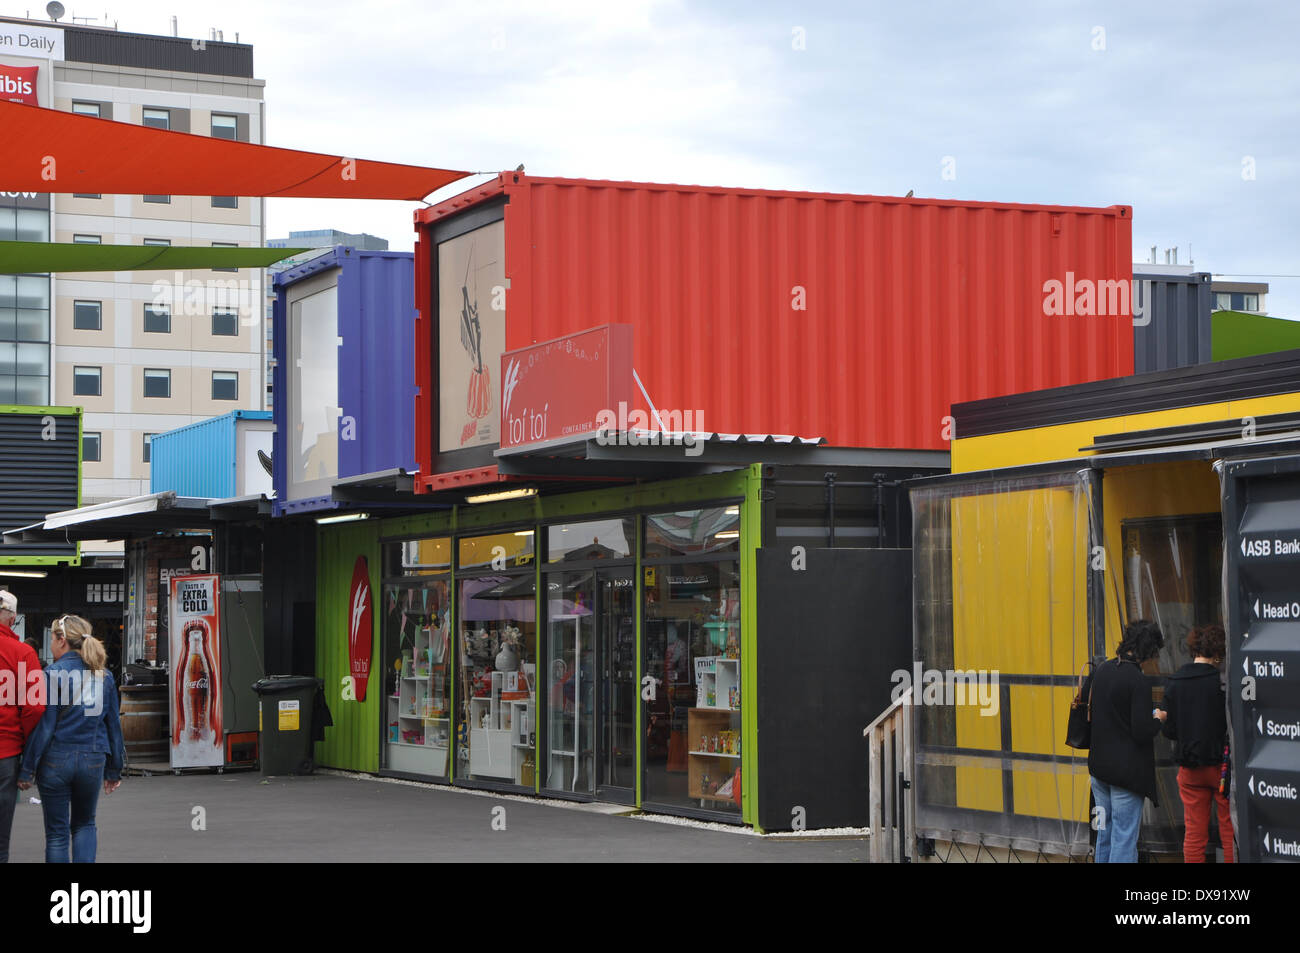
point(45, 150)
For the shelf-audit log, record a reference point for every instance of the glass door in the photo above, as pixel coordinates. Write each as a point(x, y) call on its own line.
point(570, 674)
point(616, 660)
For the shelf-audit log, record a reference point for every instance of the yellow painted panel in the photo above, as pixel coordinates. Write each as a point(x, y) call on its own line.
point(1051, 790)
point(1038, 719)
point(979, 789)
point(1062, 442)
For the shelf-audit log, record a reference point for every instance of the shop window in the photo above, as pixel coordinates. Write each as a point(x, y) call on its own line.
point(417, 657)
point(600, 539)
point(1173, 576)
point(497, 641)
point(313, 399)
point(691, 638)
point(693, 533)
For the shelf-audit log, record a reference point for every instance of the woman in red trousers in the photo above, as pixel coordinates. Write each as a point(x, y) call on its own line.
point(1197, 722)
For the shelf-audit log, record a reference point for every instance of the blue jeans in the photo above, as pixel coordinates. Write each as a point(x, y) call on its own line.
point(8, 799)
point(70, 779)
point(1117, 823)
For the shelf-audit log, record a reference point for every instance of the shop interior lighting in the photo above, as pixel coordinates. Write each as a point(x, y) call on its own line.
point(502, 495)
point(727, 534)
point(342, 518)
point(23, 573)
point(524, 532)
point(732, 511)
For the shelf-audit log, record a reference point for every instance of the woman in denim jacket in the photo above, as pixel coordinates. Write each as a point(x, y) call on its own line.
point(77, 745)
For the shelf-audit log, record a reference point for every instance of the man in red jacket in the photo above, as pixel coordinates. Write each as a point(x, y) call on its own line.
point(21, 707)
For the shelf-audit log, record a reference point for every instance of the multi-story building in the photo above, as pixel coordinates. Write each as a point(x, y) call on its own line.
point(142, 352)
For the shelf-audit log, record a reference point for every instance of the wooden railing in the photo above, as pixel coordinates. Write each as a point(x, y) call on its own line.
point(891, 760)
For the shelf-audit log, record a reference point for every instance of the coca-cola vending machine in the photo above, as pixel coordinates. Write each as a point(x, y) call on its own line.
point(197, 739)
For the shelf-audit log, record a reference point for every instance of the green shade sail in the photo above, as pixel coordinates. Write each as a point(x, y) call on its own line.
point(40, 257)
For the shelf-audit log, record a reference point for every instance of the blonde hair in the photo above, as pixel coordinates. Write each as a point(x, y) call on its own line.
point(77, 632)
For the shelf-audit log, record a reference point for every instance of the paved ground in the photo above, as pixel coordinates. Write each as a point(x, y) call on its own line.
point(333, 818)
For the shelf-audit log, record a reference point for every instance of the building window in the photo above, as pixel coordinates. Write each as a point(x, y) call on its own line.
point(225, 127)
point(225, 201)
point(225, 385)
point(157, 118)
point(86, 381)
point(159, 242)
point(157, 319)
point(157, 382)
point(158, 200)
point(90, 447)
point(148, 445)
point(1250, 302)
point(87, 315)
point(86, 109)
point(225, 323)
point(85, 239)
point(87, 195)
point(225, 245)
point(1222, 302)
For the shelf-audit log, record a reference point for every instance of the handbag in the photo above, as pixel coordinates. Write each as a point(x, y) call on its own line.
point(1078, 729)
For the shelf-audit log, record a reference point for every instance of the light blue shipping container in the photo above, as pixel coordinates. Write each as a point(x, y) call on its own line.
point(214, 459)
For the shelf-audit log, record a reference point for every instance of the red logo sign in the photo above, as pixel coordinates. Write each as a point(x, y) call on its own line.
point(18, 84)
point(360, 628)
point(557, 389)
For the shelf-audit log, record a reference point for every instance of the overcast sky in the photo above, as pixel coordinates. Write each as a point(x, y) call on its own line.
point(1188, 112)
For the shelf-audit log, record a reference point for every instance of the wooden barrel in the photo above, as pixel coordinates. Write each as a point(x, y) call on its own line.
point(144, 723)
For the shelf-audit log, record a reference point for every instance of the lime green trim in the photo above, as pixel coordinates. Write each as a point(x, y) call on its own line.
point(639, 721)
point(751, 537)
point(36, 409)
point(539, 613)
point(40, 560)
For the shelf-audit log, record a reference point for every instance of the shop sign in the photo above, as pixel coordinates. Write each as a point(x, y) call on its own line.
point(558, 389)
point(103, 592)
point(18, 84)
point(360, 628)
point(197, 737)
point(38, 42)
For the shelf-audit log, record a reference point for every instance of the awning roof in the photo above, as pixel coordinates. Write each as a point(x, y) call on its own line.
point(119, 519)
point(679, 453)
point(46, 150)
point(39, 257)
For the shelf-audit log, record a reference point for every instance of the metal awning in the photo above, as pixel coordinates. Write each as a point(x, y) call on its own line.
point(240, 507)
point(119, 519)
point(382, 486)
point(646, 453)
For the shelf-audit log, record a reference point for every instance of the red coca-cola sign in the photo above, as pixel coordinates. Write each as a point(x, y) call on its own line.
point(18, 84)
point(360, 628)
point(558, 389)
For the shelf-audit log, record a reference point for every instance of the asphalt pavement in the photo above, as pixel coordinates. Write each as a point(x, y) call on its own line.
point(244, 818)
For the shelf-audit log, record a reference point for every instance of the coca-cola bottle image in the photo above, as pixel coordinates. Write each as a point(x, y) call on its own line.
point(197, 702)
point(197, 688)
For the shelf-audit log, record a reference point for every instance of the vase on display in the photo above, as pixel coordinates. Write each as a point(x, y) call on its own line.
point(507, 660)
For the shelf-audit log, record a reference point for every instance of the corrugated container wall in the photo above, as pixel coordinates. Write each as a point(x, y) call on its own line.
point(1171, 321)
point(376, 367)
point(201, 459)
point(859, 319)
point(40, 473)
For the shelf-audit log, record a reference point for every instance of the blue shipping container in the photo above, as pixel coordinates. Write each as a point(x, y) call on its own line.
point(213, 459)
point(344, 376)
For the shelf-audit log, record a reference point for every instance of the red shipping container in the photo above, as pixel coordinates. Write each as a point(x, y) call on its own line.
point(856, 318)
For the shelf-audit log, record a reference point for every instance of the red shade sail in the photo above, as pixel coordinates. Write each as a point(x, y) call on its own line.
point(44, 150)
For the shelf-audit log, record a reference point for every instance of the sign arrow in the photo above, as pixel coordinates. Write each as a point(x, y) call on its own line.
point(1251, 784)
point(1256, 608)
point(1245, 664)
point(1260, 723)
point(1266, 847)
point(1243, 546)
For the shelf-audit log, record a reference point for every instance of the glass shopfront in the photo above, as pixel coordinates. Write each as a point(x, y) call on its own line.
point(590, 669)
point(417, 657)
point(497, 612)
point(691, 638)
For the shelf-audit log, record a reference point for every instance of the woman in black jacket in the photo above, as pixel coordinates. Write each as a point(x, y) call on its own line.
point(1197, 721)
point(1122, 759)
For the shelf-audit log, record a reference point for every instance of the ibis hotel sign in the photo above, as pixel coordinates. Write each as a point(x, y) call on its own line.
point(37, 42)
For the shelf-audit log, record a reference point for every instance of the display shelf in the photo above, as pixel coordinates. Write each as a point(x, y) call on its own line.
point(713, 754)
point(712, 768)
point(717, 683)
